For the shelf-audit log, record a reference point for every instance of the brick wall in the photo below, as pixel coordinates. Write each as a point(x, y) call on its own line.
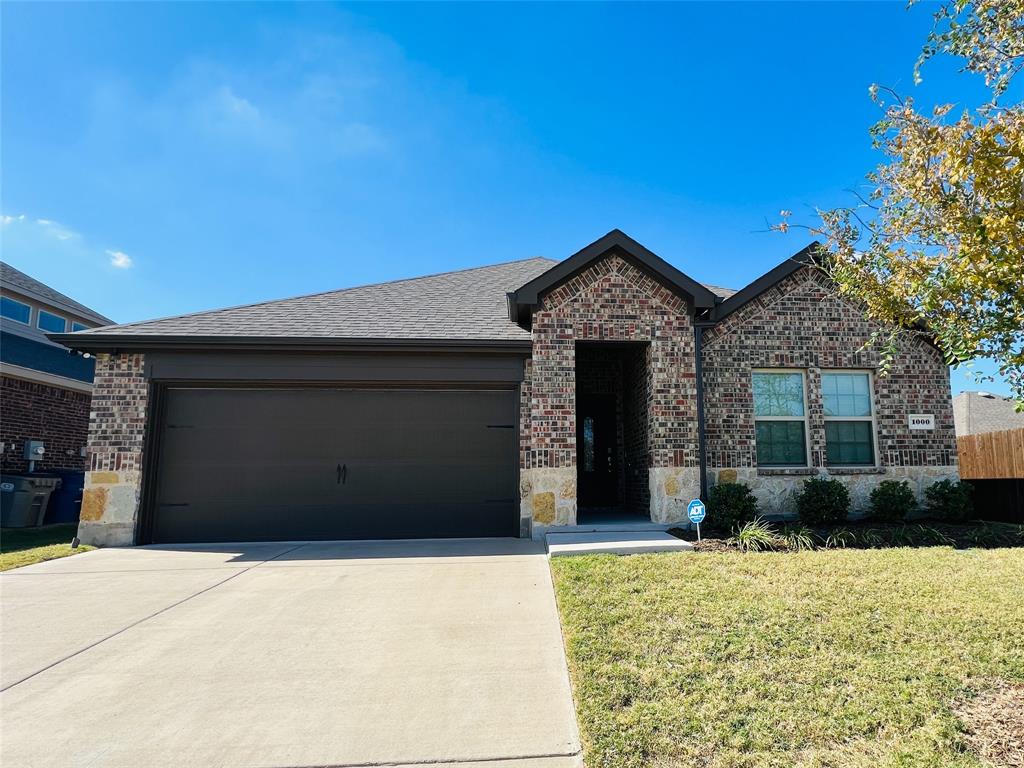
point(117, 430)
point(801, 323)
point(31, 410)
point(612, 300)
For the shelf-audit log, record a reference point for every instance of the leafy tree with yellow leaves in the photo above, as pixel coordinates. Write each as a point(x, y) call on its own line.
point(937, 246)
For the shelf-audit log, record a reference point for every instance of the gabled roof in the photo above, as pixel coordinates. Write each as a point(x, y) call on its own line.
point(16, 281)
point(467, 306)
point(738, 298)
point(523, 300)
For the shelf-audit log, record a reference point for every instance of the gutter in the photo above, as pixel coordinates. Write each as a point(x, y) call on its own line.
point(110, 342)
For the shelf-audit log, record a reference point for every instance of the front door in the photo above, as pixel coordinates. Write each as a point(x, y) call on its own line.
point(596, 460)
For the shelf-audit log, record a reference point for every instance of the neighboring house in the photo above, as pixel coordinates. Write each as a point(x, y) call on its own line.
point(497, 401)
point(976, 412)
point(46, 388)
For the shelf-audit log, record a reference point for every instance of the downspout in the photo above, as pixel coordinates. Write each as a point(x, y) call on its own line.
point(698, 342)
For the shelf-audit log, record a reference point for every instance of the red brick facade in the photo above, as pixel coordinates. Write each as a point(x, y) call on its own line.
point(118, 417)
point(31, 410)
point(801, 323)
point(612, 301)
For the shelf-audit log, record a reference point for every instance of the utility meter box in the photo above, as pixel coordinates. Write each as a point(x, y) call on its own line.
point(34, 450)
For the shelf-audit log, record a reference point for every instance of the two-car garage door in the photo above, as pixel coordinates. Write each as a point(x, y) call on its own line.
point(315, 463)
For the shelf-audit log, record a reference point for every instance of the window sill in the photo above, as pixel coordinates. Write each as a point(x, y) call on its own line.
point(788, 470)
point(855, 470)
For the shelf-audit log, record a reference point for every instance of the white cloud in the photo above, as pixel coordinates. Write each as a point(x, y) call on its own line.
point(120, 259)
point(5, 219)
point(57, 230)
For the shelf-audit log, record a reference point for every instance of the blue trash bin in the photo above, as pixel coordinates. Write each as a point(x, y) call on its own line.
point(66, 502)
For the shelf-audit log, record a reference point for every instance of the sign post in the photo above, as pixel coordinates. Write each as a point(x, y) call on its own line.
point(695, 511)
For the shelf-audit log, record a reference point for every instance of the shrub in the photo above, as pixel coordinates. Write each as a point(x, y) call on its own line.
point(755, 536)
point(841, 538)
point(822, 501)
point(948, 500)
point(730, 505)
point(892, 501)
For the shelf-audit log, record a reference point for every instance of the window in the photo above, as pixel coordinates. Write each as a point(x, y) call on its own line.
point(50, 322)
point(849, 419)
point(79, 327)
point(15, 310)
point(780, 418)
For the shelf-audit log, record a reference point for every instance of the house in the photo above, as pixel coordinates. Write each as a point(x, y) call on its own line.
point(977, 412)
point(498, 401)
point(46, 388)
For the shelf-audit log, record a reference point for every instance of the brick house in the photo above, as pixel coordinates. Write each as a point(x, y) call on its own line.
point(44, 389)
point(499, 401)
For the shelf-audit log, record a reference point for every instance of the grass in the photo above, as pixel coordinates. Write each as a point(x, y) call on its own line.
point(822, 658)
point(24, 546)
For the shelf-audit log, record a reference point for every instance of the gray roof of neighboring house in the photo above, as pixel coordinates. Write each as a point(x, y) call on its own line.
point(18, 282)
point(975, 412)
point(469, 305)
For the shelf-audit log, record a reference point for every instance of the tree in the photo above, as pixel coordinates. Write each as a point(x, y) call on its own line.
point(937, 245)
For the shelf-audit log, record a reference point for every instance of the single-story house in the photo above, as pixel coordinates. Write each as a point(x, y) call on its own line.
point(498, 401)
point(44, 389)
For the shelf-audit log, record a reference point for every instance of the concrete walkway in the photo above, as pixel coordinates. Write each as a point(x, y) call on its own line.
point(286, 656)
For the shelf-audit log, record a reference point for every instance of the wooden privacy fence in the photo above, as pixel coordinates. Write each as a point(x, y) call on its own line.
point(992, 455)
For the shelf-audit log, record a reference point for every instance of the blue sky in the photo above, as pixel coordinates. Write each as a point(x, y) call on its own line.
point(167, 158)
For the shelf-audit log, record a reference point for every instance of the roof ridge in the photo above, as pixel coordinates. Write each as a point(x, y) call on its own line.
point(320, 293)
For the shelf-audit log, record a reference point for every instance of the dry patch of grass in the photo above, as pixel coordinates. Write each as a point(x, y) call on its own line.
point(25, 546)
point(851, 658)
point(995, 724)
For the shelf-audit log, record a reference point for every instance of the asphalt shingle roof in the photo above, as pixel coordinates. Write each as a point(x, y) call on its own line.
point(976, 412)
point(469, 304)
point(16, 280)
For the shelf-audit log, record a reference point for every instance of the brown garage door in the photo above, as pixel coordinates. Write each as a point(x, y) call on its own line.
point(298, 464)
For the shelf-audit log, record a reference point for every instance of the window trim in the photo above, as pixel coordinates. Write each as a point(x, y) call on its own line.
point(805, 418)
point(81, 326)
point(39, 318)
point(873, 418)
point(23, 304)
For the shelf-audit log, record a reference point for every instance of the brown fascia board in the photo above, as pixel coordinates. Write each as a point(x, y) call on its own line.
point(803, 258)
point(95, 342)
point(523, 300)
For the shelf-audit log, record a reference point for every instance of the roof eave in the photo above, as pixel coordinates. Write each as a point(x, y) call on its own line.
point(525, 299)
point(797, 261)
point(107, 342)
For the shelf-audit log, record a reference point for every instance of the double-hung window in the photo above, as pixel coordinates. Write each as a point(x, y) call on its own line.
point(849, 418)
point(780, 418)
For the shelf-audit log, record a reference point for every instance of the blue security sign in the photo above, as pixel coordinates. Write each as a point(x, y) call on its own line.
point(696, 510)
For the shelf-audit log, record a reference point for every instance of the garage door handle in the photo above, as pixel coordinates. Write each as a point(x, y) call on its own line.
point(342, 473)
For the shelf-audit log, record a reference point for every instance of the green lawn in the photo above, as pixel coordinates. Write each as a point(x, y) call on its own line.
point(825, 658)
point(24, 546)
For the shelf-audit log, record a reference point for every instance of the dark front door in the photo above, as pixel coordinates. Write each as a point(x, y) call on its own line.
point(596, 460)
point(297, 464)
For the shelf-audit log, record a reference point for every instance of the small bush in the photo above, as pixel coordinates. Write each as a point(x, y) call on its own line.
point(949, 500)
point(755, 536)
point(822, 501)
point(892, 501)
point(798, 537)
point(730, 505)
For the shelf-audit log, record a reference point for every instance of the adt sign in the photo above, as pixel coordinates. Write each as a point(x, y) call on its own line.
point(695, 510)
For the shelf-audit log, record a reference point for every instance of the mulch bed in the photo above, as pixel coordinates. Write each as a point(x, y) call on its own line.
point(960, 536)
point(995, 724)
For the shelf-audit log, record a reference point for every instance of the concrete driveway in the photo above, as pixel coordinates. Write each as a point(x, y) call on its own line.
point(286, 656)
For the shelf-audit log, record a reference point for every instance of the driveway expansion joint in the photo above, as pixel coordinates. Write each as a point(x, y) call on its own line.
point(237, 573)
